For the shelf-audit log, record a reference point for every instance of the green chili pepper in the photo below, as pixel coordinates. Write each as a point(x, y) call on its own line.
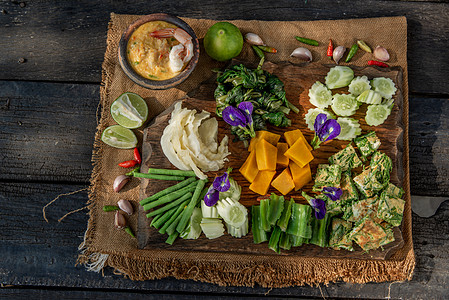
point(258, 51)
point(129, 231)
point(108, 208)
point(352, 52)
point(267, 49)
point(307, 41)
point(364, 46)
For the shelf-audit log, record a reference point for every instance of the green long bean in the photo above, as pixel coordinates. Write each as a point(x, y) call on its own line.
point(158, 177)
point(169, 198)
point(168, 190)
point(171, 172)
point(178, 211)
point(163, 218)
point(172, 237)
point(193, 202)
point(170, 205)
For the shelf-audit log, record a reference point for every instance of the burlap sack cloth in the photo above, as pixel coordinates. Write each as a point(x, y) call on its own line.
point(106, 246)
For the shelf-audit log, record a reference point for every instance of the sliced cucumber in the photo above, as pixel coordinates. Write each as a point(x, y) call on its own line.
point(209, 211)
point(384, 86)
point(193, 230)
point(232, 212)
point(370, 97)
point(358, 85)
point(344, 105)
point(320, 95)
point(350, 128)
point(311, 116)
point(238, 232)
point(376, 114)
point(212, 228)
point(339, 76)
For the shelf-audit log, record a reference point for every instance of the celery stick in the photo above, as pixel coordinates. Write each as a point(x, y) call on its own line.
point(178, 211)
point(193, 202)
point(276, 208)
point(172, 237)
point(170, 205)
point(299, 224)
point(286, 214)
point(163, 218)
point(168, 190)
point(273, 243)
point(264, 211)
point(259, 235)
point(285, 242)
point(320, 231)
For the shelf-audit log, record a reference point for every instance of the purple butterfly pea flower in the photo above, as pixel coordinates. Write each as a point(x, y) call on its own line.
point(221, 183)
point(212, 196)
point(330, 130)
point(319, 122)
point(319, 206)
point(332, 192)
point(234, 116)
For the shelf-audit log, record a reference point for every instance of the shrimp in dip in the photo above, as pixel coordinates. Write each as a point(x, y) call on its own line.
point(159, 50)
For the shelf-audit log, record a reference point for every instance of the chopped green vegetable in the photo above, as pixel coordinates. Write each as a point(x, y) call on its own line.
point(259, 235)
point(339, 235)
point(300, 222)
point(238, 232)
point(285, 241)
point(193, 230)
point(264, 213)
point(276, 208)
point(273, 243)
point(286, 214)
point(368, 143)
point(297, 240)
point(232, 212)
point(320, 231)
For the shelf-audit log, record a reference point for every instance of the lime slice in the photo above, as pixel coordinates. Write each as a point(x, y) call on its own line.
point(119, 137)
point(129, 110)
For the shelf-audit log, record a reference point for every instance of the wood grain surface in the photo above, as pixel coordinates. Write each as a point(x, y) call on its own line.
point(297, 80)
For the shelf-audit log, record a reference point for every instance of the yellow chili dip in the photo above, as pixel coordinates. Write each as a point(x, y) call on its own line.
point(149, 56)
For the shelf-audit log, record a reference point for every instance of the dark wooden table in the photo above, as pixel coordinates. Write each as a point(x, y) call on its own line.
point(50, 73)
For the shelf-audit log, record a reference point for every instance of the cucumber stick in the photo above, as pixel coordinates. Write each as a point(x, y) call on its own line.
point(320, 231)
point(286, 214)
point(339, 76)
point(301, 218)
point(264, 211)
point(273, 243)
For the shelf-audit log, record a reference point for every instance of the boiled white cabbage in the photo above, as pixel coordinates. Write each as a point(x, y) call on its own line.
point(190, 141)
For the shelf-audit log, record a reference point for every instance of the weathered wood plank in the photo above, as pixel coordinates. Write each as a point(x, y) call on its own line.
point(38, 254)
point(66, 41)
point(47, 130)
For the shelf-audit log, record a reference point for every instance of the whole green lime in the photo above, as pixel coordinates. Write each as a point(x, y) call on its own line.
point(223, 41)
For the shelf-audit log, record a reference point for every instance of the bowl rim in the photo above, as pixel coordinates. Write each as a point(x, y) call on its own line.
point(157, 84)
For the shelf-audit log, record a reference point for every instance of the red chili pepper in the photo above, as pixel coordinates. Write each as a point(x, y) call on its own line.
point(377, 63)
point(330, 49)
point(137, 156)
point(128, 163)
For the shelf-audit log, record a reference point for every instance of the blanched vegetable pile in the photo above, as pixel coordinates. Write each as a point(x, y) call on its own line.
point(264, 90)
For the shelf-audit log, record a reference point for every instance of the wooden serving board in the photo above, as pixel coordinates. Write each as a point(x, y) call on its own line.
point(297, 80)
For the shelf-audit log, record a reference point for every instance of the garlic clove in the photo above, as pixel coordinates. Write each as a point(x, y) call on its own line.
point(126, 206)
point(302, 53)
point(381, 53)
point(120, 182)
point(338, 53)
point(119, 220)
point(254, 39)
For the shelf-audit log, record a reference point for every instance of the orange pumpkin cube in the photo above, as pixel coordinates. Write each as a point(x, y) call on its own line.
point(270, 137)
point(292, 136)
point(249, 168)
point(282, 160)
point(301, 176)
point(299, 153)
point(262, 182)
point(284, 182)
point(266, 156)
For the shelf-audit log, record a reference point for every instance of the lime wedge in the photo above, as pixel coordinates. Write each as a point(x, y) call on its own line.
point(119, 137)
point(129, 110)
